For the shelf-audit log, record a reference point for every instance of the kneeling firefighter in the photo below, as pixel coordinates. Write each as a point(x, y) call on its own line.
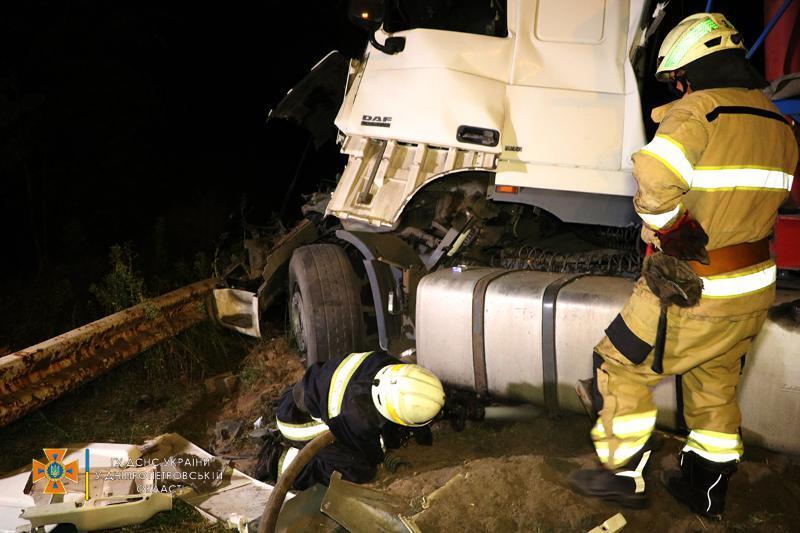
point(709, 187)
point(370, 401)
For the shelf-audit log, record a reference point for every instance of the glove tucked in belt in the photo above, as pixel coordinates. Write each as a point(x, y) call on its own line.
point(674, 282)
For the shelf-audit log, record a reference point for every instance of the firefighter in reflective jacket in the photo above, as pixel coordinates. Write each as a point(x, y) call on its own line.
point(723, 158)
point(370, 401)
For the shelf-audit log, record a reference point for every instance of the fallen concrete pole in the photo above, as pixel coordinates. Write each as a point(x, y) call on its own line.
point(32, 377)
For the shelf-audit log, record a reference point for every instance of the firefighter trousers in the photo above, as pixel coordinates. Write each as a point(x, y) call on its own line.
point(707, 351)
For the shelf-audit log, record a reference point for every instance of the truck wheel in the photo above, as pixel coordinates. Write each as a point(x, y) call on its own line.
point(324, 303)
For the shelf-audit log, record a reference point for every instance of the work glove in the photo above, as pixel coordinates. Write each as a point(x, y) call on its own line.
point(674, 283)
point(686, 239)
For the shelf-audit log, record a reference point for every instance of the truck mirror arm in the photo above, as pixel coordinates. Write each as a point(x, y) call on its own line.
point(393, 44)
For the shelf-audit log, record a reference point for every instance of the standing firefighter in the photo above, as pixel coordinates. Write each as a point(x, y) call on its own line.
point(370, 401)
point(710, 184)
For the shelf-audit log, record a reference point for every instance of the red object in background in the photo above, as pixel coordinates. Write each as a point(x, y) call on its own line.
point(782, 46)
point(786, 245)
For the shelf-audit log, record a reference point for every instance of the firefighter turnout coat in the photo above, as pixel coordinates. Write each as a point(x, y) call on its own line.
point(727, 157)
point(336, 395)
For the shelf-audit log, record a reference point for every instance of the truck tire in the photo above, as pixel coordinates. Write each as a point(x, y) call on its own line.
point(325, 310)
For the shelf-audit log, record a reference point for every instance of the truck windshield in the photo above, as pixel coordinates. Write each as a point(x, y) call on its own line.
point(482, 17)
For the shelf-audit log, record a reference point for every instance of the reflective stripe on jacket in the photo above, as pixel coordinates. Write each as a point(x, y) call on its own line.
point(337, 395)
point(726, 156)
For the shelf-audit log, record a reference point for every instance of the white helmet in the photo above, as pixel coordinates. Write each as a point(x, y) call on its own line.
point(407, 394)
point(694, 37)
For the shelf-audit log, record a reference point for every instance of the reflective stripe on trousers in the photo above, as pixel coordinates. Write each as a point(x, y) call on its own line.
point(715, 446)
point(636, 474)
point(740, 284)
point(286, 459)
point(633, 430)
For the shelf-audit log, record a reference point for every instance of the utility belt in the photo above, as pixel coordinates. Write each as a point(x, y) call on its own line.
point(732, 258)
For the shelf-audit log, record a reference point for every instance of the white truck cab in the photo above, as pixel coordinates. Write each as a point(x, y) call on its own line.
point(539, 92)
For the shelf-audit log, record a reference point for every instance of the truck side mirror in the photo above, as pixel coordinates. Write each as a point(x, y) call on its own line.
point(368, 15)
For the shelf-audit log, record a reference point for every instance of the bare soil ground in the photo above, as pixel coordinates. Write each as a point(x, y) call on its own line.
point(511, 476)
point(493, 476)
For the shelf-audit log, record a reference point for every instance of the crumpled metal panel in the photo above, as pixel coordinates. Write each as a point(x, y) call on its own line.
point(381, 177)
point(41, 373)
point(237, 502)
point(359, 508)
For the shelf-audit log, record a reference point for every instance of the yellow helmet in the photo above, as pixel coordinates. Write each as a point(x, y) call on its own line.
point(694, 37)
point(407, 394)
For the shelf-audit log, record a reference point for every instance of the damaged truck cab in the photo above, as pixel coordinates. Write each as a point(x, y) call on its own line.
point(489, 170)
point(540, 94)
point(470, 139)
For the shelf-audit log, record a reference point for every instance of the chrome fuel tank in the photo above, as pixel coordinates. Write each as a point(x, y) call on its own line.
point(528, 336)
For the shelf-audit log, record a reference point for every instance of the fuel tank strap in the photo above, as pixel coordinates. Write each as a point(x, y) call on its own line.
point(549, 365)
point(478, 330)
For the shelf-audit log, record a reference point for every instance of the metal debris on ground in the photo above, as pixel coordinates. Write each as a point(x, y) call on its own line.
point(203, 474)
point(236, 501)
point(358, 508)
point(612, 525)
point(225, 433)
point(302, 513)
point(100, 513)
point(223, 384)
point(18, 492)
point(129, 484)
point(259, 429)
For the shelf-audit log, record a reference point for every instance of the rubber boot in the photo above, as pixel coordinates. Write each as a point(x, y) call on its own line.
point(701, 484)
point(623, 486)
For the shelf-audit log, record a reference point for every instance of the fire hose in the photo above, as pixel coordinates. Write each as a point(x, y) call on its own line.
point(269, 518)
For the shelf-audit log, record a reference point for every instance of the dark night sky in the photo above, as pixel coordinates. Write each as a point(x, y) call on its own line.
point(115, 115)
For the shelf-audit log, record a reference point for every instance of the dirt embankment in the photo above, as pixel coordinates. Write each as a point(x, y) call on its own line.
point(265, 373)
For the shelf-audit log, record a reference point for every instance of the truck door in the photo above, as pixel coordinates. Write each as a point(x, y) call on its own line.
point(451, 74)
